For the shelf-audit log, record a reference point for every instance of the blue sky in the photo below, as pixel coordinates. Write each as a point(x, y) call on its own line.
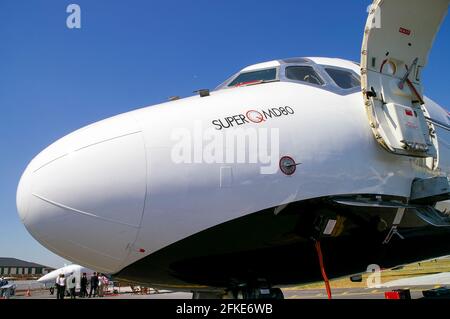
point(130, 54)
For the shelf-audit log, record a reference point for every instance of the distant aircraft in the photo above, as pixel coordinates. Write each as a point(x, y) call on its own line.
point(49, 280)
point(356, 173)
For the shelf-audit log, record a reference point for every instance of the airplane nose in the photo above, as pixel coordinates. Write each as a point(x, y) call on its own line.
point(23, 193)
point(83, 196)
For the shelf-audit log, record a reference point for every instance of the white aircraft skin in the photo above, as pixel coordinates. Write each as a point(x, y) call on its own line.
point(49, 279)
point(109, 195)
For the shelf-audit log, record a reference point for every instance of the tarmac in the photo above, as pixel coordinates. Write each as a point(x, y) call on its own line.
point(289, 293)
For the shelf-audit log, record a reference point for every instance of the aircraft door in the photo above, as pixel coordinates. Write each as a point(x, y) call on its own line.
point(398, 37)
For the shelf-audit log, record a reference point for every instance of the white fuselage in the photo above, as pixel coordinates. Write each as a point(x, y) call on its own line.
point(111, 193)
point(49, 280)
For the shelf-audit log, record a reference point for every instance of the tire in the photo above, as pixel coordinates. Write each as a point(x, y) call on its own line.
point(276, 293)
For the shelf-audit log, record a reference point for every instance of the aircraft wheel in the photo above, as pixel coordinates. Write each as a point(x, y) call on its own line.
point(276, 293)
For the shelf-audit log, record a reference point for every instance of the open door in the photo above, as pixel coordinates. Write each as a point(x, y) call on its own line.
point(398, 38)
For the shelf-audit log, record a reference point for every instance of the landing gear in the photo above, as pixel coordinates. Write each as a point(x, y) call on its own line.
point(255, 290)
point(277, 293)
point(256, 293)
point(207, 295)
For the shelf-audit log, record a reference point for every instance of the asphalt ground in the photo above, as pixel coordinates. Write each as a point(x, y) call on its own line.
point(289, 293)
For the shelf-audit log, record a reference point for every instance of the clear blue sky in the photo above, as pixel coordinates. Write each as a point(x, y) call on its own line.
point(131, 54)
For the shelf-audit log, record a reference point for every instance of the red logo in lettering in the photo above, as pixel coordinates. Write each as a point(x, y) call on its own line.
point(255, 116)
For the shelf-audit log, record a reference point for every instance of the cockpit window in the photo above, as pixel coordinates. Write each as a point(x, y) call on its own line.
point(254, 77)
point(304, 74)
point(344, 79)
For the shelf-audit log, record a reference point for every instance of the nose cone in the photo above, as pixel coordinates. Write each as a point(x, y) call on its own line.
point(47, 277)
point(23, 194)
point(83, 196)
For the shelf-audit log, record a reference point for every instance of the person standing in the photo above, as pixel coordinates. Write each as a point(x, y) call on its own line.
point(57, 286)
point(83, 286)
point(71, 285)
point(60, 286)
point(105, 284)
point(94, 285)
point(100, 285)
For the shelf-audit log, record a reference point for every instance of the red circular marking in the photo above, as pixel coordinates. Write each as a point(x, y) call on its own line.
point(254, 116)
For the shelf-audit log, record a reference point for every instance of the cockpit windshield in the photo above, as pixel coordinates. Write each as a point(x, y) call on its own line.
point(254, 77)
point(303, 73)
point(345, 79)
point(335, 75)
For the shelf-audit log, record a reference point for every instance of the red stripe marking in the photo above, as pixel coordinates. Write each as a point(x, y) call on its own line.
point(248, 82)
point(413, 88)
point(322, 269)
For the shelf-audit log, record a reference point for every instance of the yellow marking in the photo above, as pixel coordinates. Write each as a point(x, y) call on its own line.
point(374, 291)
point(355, 293)
point(348, 294)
